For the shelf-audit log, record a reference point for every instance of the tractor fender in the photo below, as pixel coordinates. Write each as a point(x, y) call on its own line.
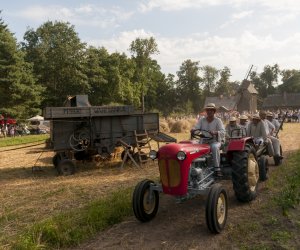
point(239, 144)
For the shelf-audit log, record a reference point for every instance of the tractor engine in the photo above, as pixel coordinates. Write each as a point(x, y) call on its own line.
point(200, 169)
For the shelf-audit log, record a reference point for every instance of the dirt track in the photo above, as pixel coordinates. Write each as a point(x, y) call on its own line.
point(183, 226)
point(176, 226)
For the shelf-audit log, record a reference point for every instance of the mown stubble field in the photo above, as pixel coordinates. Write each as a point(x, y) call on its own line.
point(28, 196)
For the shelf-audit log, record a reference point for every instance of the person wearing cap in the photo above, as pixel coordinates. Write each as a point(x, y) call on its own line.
point(275, 122)
point(244, 123)
point(270, 128)
point(257, 130)
point(215, 127)
point(232, 128)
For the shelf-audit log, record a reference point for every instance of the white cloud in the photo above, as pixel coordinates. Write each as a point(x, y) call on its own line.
point(235, 52)
point(85, 15)
point(242, 14)
point(176, 5)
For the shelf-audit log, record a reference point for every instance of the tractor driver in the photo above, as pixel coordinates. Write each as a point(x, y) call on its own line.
point(257, 129)
point(216, 128)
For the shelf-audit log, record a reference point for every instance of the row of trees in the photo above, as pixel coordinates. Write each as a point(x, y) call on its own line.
point(52, 62)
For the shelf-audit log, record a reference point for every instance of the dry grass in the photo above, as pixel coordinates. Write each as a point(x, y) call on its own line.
point(27, 197)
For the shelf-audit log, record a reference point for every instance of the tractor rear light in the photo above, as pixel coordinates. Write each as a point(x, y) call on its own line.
point(152, 154)
point(181, 155)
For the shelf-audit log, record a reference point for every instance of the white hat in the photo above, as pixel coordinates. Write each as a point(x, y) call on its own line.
point(210, 106)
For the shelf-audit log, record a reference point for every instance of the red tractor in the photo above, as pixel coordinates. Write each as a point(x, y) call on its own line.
point(186, 170)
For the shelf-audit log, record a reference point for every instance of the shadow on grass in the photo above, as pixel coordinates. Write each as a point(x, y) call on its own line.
point(43, 169)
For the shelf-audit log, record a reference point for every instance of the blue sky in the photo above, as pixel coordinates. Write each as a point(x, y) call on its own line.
point(233, 33)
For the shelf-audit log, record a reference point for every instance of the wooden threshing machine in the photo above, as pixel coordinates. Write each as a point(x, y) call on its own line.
point(80, 131)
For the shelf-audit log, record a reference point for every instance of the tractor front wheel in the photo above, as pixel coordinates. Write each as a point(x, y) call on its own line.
point(245, 174)
point(145, 201)
point(216, 208)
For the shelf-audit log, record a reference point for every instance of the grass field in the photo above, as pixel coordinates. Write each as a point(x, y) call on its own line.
point(11, 141)
point(43, 210)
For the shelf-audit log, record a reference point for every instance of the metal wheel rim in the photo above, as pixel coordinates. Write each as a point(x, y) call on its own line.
point(149, 204)
point(221, 208)
point(253, 172)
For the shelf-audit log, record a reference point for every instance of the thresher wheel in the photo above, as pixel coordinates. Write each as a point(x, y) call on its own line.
point(56, 159)
point(144, 201)
point(263, 168)
point(245, 174)
point(66, 167)
point(216, 208)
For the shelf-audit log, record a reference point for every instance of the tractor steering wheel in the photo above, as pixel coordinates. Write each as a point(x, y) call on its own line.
point(201, 134)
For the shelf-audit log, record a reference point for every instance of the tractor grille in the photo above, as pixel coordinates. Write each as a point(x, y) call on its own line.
point(169, 172)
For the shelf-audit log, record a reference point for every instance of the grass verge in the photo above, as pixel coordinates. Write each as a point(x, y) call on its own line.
point(11, 141)
point(276, 218)
point(73, 227)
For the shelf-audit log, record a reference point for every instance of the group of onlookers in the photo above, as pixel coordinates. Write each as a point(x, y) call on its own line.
point(7, 130)
point(12, 130)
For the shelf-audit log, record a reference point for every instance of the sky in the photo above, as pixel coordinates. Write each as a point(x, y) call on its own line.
point(232, 33)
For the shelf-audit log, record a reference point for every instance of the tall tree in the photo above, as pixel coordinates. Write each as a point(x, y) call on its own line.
point(209, 77)
point(58, 55)
point(188, 84)
point(20, 96)
point(167, 96)
point(290, 81)
point(269, 77)
point(141, 50)
point(223, 85)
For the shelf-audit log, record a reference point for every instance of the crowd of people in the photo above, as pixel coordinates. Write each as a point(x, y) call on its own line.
point(12, 130)
point(262, 126)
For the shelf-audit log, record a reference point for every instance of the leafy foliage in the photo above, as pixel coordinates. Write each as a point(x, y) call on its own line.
point(53, 63)
point(20, 96)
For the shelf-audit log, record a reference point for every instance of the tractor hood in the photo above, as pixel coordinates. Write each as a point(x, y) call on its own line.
point(191, 149)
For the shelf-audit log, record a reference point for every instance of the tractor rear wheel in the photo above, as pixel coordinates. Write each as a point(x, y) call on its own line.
point(263, 168)
point(216, 208)
point(144, 201)
point(245, 174)
point(66, 167)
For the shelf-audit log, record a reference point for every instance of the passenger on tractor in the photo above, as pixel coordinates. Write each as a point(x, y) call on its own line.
point(257, 130)
point(215, 127)
point(275, 122)
point(232, 128)
point(244, 122)
point(270, 129)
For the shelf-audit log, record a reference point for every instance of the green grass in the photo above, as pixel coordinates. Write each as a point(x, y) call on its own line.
point(274, 219)
point(289, 195)
point(11, 141)
point(74, 226)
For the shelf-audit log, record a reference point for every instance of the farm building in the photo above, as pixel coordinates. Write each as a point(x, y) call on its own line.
point(244, 100)
point(285, 100)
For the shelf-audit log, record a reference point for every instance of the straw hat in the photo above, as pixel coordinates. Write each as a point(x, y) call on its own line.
point(256, 116)
point(232, 119)
point(270, 114)
point(262, 112)
point(243, 117)
point(210, 106)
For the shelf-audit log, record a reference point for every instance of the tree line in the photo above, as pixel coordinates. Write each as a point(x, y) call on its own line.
point(52, 62)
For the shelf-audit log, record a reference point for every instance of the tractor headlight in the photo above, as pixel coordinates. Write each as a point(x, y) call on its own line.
point(181, 155)
point(152, 154)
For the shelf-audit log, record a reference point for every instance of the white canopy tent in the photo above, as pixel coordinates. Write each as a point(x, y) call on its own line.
point(36, 118)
